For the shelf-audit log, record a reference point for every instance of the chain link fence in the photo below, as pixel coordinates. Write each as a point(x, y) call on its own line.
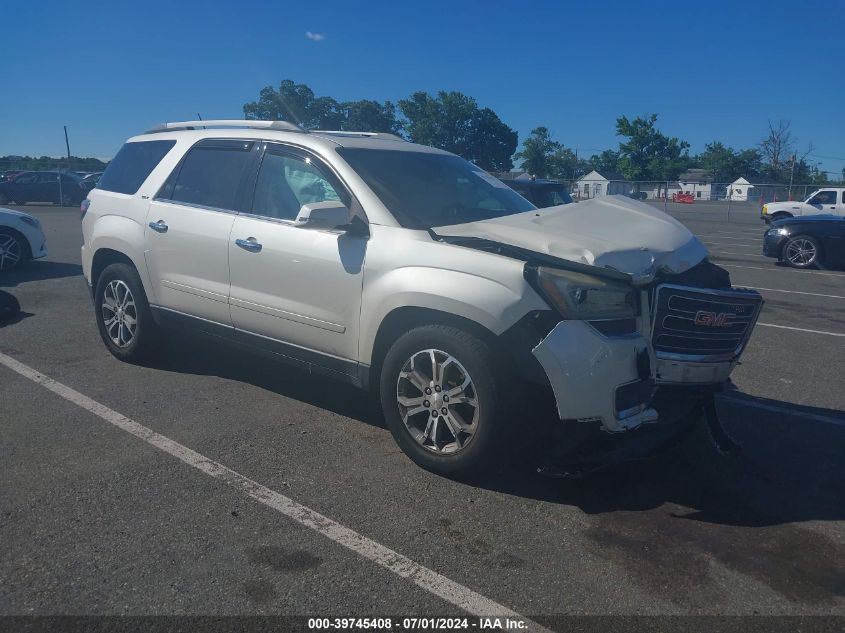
point(692, 192)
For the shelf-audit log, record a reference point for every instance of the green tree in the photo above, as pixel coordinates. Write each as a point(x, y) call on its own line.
point(648, 154)
point(606, 163)
point(370, 116)
point(454, 122)
point(296, 103)
point(747, 164)
point(538, 153)
point(719, 161)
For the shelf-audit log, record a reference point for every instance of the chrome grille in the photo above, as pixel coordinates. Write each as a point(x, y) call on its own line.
point(702, 323)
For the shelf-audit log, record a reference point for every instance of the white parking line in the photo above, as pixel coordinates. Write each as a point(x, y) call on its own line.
point(786, 410)
point(731, 244)
point(797, 292)
point(800, 329)
point(742, 254)
point(737, 232)
point(785, 269)
point(725, 237)
point(427, 579)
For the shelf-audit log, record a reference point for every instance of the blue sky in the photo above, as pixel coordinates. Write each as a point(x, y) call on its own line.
point(711, 71)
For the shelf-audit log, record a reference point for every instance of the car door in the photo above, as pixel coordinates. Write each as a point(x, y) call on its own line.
point(24, 187)
point(823, 201)
point(189, 223)
point(297, 289)
point(834, 244)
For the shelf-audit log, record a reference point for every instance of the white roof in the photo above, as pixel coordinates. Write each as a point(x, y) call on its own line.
point(740, 181)
point(593, 175)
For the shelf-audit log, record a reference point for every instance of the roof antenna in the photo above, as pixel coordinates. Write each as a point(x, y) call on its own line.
point(199, 116)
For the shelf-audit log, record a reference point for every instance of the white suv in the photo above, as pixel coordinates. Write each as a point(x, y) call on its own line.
point(407, 269)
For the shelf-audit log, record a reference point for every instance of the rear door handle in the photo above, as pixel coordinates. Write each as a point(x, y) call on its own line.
point(249, 244)
point(158, 227)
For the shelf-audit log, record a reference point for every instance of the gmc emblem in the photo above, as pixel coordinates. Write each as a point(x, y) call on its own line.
point(713, 319)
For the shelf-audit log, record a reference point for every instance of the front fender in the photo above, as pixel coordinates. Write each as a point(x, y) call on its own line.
point(495, 305)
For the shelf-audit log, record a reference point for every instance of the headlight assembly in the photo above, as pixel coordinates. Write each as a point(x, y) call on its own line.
point(777, 232)
point(580, 296)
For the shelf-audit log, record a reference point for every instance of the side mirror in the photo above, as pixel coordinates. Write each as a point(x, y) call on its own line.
point(322, 215)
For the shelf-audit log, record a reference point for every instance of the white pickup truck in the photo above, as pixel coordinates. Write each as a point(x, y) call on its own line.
point(828, 201)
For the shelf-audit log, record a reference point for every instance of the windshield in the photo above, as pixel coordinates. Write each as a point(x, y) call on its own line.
point(425, 190)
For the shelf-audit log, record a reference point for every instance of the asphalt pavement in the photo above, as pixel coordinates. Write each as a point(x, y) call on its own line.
point(191, 485)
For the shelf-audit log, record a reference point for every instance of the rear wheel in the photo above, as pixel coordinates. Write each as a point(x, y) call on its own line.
point(123, 315)
point(802, 251)
point(13, 249)
point(447, 399)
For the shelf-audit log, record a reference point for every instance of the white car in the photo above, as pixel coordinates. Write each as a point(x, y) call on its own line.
point(827, 201)
point(410, 271)
point(21, 239)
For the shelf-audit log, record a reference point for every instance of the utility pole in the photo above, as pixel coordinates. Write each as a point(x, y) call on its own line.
point(67, 144)
point(791, 174)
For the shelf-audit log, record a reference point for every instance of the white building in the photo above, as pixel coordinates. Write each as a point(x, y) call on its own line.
point(594, 185)
point(739, 189)
point(697, 183)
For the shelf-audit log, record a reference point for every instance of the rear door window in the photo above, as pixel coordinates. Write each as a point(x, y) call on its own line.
point(134, 162)
point(210, 175)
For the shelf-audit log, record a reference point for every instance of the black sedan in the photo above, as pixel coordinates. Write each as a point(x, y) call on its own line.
point(541, 193)
point(62, 188)
point(806, 242)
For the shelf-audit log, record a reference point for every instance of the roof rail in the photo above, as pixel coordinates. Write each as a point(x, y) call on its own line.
point(286, 126)
point(384, 135)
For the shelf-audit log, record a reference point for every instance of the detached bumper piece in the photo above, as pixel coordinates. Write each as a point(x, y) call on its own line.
point(592, 375)
point(679, 411)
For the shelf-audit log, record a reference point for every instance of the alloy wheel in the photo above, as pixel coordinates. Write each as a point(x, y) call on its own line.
point(10, 251)
point(437, 401)
point(800, 252)
point(119, 313)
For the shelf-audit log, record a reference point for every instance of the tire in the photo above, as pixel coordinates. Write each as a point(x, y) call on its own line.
point(780, 216)
point(483, 422)
point(802, 251)
point(111, 301)
point(14, 250)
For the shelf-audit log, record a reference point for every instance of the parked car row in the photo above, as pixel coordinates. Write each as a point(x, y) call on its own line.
point(65, 188)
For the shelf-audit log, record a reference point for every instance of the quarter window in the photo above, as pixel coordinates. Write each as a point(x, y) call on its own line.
point(285, 183)
point(134, 162)
point(210, 175)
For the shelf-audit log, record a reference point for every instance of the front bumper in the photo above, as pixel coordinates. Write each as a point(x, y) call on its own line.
point(773, 245)
point(585, 370)
point(613, 380)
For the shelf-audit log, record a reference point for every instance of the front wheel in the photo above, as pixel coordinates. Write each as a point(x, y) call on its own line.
point(123, 315)
point(802, 251)
point(447, 400)
point(13, 250)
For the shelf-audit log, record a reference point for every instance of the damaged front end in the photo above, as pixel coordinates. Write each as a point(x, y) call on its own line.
point(660, 371)
point(643, 328)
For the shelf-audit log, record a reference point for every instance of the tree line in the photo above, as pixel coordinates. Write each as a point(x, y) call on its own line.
point(32, 163)
point(454, 121)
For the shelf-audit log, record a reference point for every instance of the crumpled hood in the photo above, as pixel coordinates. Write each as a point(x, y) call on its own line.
point(614, 232)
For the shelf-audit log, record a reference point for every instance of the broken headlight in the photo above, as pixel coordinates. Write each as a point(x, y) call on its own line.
point(585, 297)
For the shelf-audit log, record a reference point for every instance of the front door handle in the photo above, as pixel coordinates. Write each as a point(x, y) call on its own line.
point(249, 244)
point(158, 227)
